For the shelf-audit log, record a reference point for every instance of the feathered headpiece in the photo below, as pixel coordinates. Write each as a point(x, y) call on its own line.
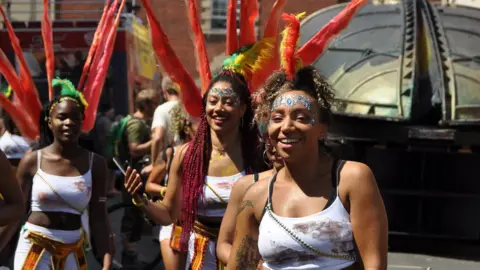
point(291, 58)
point(6, 90)
point(246, 56)
point(26, 110)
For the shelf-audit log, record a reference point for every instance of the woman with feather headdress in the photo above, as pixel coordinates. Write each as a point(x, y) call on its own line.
point(345, 222)
point(61, 180)
point(225, 146)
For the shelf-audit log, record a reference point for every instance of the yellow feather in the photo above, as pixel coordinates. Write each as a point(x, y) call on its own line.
point(253, 59)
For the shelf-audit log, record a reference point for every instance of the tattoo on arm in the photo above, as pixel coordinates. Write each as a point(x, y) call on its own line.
point(247, 256)
point(244, 205)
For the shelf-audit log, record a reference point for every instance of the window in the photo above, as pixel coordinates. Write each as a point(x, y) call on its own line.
point(214, 15)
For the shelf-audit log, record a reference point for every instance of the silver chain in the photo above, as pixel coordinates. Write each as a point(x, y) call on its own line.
point(305, 245)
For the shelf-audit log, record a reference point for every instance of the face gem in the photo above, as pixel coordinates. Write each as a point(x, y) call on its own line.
point(292, 100)
point(222, 92)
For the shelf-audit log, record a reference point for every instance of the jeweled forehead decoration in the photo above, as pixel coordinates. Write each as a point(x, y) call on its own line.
point(223, 92)
point(292, 100)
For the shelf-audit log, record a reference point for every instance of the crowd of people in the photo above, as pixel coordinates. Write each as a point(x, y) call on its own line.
point(237, 172)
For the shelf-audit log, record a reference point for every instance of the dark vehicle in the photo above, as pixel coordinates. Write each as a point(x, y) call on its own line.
point(407, 79)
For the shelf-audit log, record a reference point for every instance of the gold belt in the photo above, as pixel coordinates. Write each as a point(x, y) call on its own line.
point(211, 233)
point(58, 250)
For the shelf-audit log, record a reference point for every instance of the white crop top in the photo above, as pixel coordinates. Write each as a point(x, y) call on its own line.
point(320, 241)
point(53, 193)
point(13, 146)
point(217, 192)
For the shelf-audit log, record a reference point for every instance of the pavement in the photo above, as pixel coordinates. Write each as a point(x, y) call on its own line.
point(417, 254)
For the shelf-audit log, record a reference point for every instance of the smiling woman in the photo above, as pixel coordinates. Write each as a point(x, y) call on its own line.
point(345, 223)
point(62, 180)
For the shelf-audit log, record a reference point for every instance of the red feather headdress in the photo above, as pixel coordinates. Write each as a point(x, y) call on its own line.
point(191, 95)
point(25, 111)
point(293, 59)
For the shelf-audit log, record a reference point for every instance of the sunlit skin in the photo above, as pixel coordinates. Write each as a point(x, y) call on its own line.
point(65, 122)
point(306, 180)
point(227, 230)
point(66, 158)
point(223, 108)
point(292, 128)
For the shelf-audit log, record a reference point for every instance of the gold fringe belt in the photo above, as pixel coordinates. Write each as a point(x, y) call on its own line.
point(58, 250)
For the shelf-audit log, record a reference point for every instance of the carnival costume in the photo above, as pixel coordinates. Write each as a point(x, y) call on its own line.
point(248, 59)
point(329, 242)
point(39, 247)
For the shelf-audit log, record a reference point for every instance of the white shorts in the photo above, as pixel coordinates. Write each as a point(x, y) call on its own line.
point(45, 263)
point(165, 232)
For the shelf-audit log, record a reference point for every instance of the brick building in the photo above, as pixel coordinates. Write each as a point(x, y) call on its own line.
point(173, 17)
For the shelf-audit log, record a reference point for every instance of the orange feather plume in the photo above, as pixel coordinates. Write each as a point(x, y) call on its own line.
point(100, 50)
point(29, 91)
point(7, 70)
point(190, 94)
point(232, 36)
point(99, 71)
point(48, 46)
point(271, 31)
point(248, 15)
point(313, 48)
point(203, 64)
point(288, 47)
point(93, 48)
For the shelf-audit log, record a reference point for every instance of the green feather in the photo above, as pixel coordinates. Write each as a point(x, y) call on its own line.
point(68, 89)
point(6, 90)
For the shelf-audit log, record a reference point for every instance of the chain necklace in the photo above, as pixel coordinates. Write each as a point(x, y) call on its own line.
point(306, 245)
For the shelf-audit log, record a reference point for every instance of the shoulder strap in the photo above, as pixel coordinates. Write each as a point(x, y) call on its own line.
point(39, 158)
point(255, 177)
point(340, 165)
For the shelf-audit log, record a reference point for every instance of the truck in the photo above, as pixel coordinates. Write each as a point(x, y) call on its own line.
point(132, 67)
point(407, 81)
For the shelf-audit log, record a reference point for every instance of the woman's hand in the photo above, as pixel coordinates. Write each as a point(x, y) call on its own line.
point(133, 183)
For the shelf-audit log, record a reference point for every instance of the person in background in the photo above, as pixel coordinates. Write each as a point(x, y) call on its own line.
point(135, 146)
point(103, 125)
point(184, 127)
point(161, 137)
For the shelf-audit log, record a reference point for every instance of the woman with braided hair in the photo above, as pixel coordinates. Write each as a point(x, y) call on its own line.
point(345, 223)
point(225, 146)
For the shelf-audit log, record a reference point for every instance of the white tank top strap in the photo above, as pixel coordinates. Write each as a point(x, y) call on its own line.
point(39, 159)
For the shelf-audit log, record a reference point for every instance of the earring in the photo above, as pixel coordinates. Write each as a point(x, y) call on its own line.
point(265, 158)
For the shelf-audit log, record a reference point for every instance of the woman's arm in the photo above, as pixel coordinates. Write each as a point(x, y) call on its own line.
point(99, 221)
point(166, 211)
point(13, 208)
point(368, 216)
point(158, 173)
point(24, 177)
point(244, 254)
point(227, 230)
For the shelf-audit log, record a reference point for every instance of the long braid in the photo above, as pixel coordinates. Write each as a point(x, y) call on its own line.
point(194, 171)
point(197, 157)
